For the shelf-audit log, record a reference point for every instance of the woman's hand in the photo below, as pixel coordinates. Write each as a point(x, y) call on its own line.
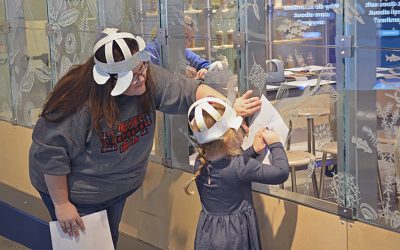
point(201, 73)
point(259, 142)
point(270, 136)
point(69, 219)
point(247, 105)
point(191, 72)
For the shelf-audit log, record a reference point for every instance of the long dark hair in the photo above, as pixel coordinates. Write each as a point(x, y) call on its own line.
point(77, 88)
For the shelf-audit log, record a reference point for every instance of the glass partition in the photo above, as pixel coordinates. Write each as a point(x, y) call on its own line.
point(203, 30)
point(371, 128)
point(5, 87)
point(290, 58)
point(330, 68)
point(73, 26)
point(28, 59)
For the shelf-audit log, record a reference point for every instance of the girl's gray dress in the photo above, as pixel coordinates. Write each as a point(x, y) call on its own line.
point(228, 220)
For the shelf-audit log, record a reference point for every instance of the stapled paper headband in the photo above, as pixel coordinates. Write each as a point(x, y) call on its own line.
point(223, 123)
point(102, 71)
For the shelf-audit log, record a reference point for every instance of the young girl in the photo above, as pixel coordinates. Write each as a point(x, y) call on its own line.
point(224, 174)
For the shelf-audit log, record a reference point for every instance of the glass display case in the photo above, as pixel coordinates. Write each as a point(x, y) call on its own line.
point(330, 68)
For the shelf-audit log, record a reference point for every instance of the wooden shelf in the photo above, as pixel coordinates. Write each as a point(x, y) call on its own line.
point(151, 14)
point(225, 46)
point(192, 11)
point(296, 40)
point(195, 11)
point(223, 10)
point(197, 48)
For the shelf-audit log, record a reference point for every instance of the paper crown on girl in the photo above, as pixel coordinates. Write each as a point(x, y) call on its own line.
point(228, 120)
point(123, 69)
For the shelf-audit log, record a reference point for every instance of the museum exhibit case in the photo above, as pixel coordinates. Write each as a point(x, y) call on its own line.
point(330, 68)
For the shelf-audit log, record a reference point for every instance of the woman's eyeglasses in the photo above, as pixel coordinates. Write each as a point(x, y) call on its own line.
point(140, 72)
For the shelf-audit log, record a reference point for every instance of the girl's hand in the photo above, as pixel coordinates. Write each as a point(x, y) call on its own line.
point(270, 136)
point(69, 219)
point(259, 142)
point(247, 105)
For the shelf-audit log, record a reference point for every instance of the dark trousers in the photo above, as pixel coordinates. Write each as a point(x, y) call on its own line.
point(114, 208)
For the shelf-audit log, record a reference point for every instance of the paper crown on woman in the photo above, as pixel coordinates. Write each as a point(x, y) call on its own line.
point(123, 69)
point(229, 119)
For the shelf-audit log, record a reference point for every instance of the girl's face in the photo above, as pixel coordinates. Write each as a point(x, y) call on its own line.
point(138, 86)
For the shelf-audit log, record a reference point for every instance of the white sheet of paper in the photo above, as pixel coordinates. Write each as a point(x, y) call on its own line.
point(306, 83)
point(269, 117)
point(379, 69)
point(309, 68)
point(96, 236)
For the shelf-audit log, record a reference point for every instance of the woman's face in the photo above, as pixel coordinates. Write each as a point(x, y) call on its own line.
point(138, 86)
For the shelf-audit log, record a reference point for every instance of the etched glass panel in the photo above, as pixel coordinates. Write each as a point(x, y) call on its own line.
point(372, 111)
point(290, 58)
point(6, 105)
point(28, 59)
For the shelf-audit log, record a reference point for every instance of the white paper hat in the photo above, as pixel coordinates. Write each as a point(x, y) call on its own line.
point(223, 123)
point(123, 69)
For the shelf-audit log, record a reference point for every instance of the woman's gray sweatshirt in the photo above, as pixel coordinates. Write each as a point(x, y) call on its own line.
point(101, 168)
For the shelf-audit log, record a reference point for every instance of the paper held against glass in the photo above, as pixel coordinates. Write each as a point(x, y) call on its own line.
point(96, 236)
point(269, 117)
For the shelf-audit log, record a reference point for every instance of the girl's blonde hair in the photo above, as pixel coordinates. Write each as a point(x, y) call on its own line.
point(226, 145)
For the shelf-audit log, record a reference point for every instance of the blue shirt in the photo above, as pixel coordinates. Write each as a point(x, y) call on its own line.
point(195, 61)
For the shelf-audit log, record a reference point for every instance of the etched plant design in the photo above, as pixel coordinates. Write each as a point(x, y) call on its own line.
point(292, 29)
point(329, 90)
point(388, 191)
point(254, 5)
point(84, 30)
point(366, 115)
point(299, 58)
point(323, 134)
point(389, 117)
point(387, 161)
point(345, 190)
point(361, 144)
point(385, 156)
point(311, 167)
point(395, 96)
point(115, 11)
point(257, 76)
point(283, 92)
point(351, 12)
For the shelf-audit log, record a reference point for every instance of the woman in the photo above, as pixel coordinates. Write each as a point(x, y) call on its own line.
point(92, 142)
